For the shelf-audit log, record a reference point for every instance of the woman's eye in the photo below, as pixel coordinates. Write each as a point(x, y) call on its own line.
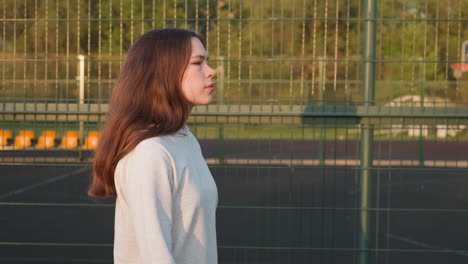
point(197, 63)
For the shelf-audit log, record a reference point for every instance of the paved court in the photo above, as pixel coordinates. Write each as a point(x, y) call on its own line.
point(267, 214)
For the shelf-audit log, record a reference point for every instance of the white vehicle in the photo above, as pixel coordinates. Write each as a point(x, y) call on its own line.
point(442, 131)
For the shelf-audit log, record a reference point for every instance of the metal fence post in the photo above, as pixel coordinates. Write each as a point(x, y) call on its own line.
point(421, 104)
point(321, 91)
point(221, 144)
point(220, 81)
point(81, 95)
point(367, 130)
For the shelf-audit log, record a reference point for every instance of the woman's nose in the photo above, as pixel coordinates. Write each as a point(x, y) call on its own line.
point(211, 72)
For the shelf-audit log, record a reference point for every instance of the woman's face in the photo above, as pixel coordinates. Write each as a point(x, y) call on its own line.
point(197, 83)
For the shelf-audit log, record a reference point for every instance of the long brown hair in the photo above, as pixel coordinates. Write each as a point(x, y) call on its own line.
point(147, 101)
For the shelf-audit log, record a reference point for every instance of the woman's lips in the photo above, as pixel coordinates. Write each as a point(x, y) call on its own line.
point(211, 87)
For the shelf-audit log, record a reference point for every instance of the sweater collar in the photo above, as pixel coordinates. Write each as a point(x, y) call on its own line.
point(183, 131)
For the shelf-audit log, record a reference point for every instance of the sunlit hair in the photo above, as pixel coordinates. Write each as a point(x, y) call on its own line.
point(147, 101)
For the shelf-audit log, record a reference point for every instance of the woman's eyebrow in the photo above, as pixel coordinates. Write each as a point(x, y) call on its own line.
point(200, 57)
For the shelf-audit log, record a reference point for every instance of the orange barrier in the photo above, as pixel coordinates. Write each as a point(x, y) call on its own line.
point(45, 142)
point(49, 133)
point(91, 141)
point(47, 139)
point(70, 140)
point(72, 133)
point(28, 133)
point(5, 135)
point(24, 139)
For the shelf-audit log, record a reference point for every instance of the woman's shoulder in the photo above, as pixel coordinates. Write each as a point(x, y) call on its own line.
point(171, 147)
point(147, 151)
point(151, 142)
point(152, 145)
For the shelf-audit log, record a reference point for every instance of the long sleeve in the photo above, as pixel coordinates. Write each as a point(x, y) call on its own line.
point(149, 189)
point(166, 202)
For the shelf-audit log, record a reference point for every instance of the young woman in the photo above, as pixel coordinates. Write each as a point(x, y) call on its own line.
point(149, 159)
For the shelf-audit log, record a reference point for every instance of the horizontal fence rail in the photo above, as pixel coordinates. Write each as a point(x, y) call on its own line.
point(270, 114)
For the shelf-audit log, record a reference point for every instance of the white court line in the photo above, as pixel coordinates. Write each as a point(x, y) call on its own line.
point(424, 245)
point(41, 183)
point(255, 161)
point(339, 162)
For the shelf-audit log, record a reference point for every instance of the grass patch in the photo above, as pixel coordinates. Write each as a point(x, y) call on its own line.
point(315, 132)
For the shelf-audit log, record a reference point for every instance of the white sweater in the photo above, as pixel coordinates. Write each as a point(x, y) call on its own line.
point(166, 203)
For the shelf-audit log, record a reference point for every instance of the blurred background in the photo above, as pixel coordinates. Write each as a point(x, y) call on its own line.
point(337, 133)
